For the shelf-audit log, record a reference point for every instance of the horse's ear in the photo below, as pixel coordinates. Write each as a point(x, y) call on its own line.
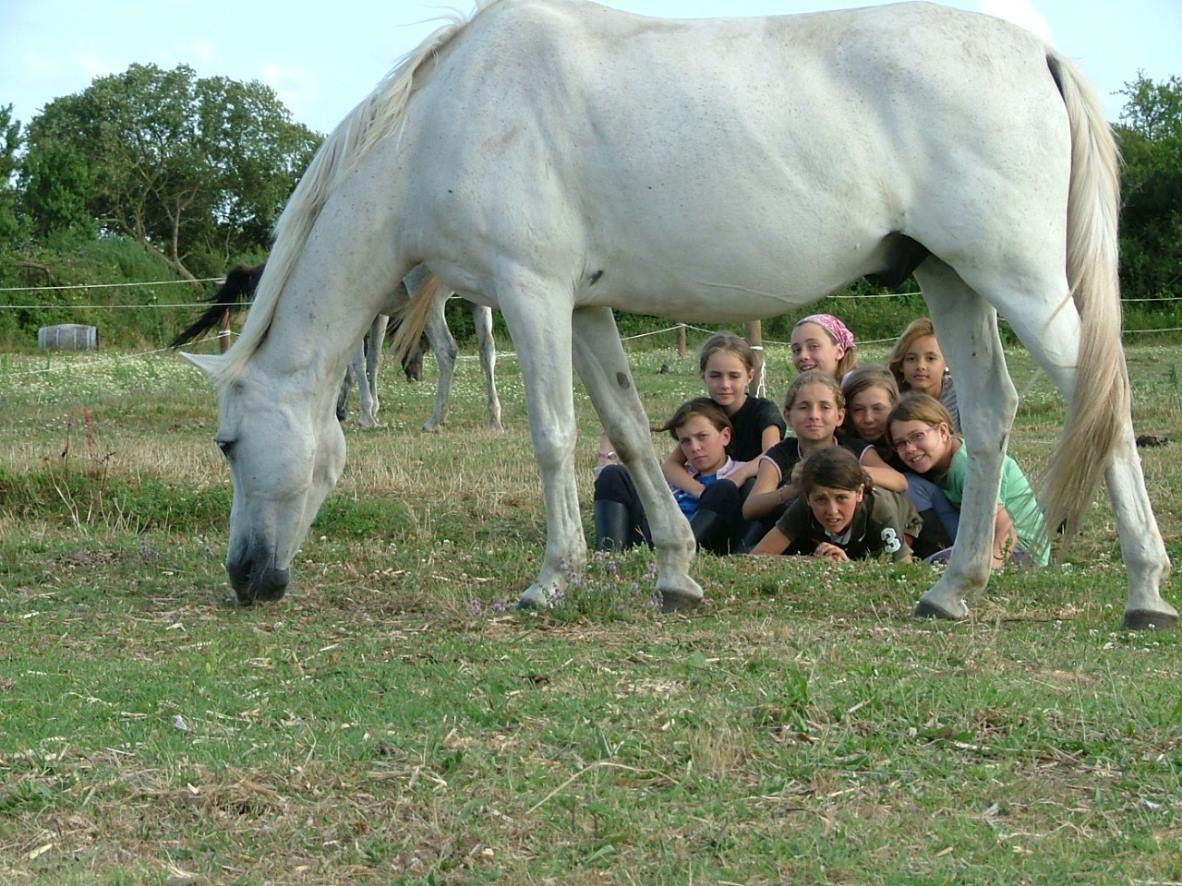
point(208, 363)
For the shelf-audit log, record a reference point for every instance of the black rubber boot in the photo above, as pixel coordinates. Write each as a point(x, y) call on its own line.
point(932, 538)
point(710, 531)
point(753, 536)
point(613, 528)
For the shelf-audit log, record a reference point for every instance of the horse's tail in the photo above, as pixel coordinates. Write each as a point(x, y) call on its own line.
point(412, 317)
point(1101, 403)
point(235, 293)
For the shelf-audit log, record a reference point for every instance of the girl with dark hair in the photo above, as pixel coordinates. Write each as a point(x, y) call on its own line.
point(841, 515)
point(703, 433)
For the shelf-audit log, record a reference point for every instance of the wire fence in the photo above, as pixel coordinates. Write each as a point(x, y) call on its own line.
point(501, 354)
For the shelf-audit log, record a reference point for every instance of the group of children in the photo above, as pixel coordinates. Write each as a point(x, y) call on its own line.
point(875, 466)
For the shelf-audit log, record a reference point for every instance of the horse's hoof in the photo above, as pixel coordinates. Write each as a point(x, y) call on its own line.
point(672, 601)
point(533, 600)
point(1144, 620)
point(925, 609)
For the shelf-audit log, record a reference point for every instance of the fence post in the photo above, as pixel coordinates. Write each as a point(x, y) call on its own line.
point(224, 332)
point(754, 335)
point(681, 343)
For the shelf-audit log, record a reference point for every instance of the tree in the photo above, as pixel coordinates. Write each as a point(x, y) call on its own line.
point(1150, 138)
point(196, 170)
point(10, 142)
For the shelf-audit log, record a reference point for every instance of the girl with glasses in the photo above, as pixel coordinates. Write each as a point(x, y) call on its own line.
point(921, 431)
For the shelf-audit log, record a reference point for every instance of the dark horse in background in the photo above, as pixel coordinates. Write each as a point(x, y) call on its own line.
point(238, 290)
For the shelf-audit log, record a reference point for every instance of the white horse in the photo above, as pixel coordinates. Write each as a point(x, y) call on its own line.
point(557, 159)
point(363, 369)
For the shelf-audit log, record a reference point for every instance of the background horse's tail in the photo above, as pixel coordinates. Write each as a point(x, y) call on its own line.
point(236, 292)
point(412, 317)
point(1101, 403)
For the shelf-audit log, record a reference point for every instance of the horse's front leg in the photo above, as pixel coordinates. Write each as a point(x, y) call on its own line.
point(482, 319)
point(443, 346)
point(538, 315)
point(601, 362)
point(967, 328)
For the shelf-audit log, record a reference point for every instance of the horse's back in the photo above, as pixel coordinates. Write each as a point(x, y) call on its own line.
point(758, 150)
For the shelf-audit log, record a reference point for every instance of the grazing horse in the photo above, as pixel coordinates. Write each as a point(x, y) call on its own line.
point(558, 159)
point(239, 287)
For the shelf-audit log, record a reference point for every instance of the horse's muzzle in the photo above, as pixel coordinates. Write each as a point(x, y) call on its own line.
point(255, 579)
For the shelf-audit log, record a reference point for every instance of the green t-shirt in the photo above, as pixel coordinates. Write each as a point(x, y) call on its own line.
point(1015, 496)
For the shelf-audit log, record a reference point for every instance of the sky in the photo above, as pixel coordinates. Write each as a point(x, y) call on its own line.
point(323, 58)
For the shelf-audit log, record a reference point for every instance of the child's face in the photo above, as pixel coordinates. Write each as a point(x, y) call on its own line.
point(834, 508)
point(727, 378)
point(920, 446)
point(814, 414)
point(868, 413)
point(812, 348)
point(703, 445)
point(924, 365)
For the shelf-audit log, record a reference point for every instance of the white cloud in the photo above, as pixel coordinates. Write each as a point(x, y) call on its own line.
point(201, 51)
point(297, 87)
point(1020, 12)
point(94, 67)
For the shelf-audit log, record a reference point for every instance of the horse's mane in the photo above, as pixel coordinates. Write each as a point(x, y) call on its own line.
point(367, 124)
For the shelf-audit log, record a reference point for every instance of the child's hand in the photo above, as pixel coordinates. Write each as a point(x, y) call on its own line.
point(830, 552)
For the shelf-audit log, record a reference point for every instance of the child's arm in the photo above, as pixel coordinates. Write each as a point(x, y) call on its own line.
point(1005, 537)
point(772, 544)
point(678, 477)
point(883, 475)
point(765, 495)
point(770, 437)
point(831, 552)
point(607, 452)
point(744, 473)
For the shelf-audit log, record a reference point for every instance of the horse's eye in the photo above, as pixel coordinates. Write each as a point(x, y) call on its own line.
point(226, 446)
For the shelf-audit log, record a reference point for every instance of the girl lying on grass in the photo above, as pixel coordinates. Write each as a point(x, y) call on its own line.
point(841, 515)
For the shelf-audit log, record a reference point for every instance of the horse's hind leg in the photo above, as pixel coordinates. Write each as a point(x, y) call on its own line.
point(444, 348)
point(343, 393)
point(365, 417)
point(967, 328)
point(1053, 338)
point(601, 362)
point(482, 319)
point(373, 365)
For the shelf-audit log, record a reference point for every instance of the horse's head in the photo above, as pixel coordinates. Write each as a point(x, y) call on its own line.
point(286, 452)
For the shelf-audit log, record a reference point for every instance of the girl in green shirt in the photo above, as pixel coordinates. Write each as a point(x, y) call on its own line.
point(921, 431)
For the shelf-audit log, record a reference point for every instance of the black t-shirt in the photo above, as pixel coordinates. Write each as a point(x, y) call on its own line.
point(786, 454)
point(753, 417)
point(879, 526)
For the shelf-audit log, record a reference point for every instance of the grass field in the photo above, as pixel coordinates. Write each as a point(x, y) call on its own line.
point(393, 720)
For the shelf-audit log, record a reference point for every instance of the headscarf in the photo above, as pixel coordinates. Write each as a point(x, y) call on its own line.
point(837, 330)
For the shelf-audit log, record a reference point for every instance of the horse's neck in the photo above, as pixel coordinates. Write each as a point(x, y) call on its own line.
point(311, 339)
